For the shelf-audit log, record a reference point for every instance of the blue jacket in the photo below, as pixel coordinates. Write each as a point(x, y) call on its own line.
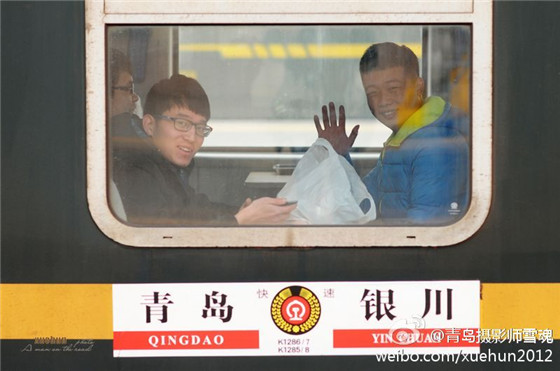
point(422, 176)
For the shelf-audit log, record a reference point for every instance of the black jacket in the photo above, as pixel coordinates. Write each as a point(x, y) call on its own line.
point(155, 192)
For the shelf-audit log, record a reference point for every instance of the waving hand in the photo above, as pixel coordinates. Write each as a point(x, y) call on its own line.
point(335, 132)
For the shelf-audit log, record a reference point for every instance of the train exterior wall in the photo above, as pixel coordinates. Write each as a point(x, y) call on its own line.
point(48, 235)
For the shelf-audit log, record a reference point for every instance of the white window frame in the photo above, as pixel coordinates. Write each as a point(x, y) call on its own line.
point(477, 13)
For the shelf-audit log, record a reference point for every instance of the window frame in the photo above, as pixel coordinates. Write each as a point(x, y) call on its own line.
point(476, 13)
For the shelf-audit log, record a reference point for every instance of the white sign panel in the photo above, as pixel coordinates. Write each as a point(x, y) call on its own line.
point(295, 318)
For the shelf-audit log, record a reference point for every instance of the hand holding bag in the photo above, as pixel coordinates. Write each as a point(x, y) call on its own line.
point(327, 189)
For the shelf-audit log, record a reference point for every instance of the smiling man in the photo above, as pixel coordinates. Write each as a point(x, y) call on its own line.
point(422, 175)
point(153, 180)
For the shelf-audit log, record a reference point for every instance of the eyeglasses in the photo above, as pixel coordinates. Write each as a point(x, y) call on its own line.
point(128, 89)
point(201, 130)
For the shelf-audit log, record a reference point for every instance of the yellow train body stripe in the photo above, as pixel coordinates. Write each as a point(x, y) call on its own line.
point(282, 51)
point(261, 51)
point(297, 51)
point(277, 51)
point(84, 311)
point(73, 311)
point(521, 305)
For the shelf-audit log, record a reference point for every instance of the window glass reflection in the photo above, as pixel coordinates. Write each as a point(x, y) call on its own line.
point(263, 86)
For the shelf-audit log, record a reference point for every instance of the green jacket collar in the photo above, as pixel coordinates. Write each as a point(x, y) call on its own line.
point(427, 114)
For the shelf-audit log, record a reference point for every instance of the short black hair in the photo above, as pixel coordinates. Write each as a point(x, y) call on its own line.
point(180, 91)
point(387, 55)
point(118, 62)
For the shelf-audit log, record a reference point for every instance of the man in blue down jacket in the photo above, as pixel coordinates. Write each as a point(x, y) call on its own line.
point(422, 175)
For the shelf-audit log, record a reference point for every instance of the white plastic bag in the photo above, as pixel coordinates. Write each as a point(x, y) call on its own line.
point(327, 189)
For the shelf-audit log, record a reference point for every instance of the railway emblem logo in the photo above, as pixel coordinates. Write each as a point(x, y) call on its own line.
point(295, 310)
point(454, 209)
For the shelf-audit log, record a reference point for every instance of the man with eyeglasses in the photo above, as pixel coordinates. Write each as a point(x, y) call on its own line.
point(126, 127)
point(153, 180)
point(123, 99)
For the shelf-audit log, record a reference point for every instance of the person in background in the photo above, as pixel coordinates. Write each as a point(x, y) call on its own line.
point(153, 180)
point(125, 125)
point(422, 175)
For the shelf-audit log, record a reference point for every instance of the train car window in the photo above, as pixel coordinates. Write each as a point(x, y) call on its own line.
point(295, 129)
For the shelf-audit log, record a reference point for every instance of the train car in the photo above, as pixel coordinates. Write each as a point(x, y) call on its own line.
point(86, 286)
